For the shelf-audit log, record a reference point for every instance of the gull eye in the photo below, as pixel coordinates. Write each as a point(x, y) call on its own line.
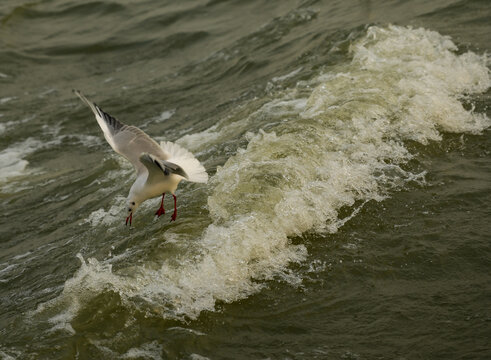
point(132, 203)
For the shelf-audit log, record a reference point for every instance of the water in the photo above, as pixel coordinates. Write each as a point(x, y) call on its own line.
point(347, 212)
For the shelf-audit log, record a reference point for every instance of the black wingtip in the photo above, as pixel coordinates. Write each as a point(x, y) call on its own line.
point(182, 173)
point(175, 169)
point(164, 169)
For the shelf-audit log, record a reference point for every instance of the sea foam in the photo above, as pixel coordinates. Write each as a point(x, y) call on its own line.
point(12, 162)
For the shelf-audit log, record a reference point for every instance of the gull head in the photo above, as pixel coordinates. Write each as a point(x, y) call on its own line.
point(132, 205)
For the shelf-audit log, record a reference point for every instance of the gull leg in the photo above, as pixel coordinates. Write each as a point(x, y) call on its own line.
point(161, 210)
point(174, 215)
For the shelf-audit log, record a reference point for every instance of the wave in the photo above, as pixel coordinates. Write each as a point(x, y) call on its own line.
point(12, 162)
point(333, 142)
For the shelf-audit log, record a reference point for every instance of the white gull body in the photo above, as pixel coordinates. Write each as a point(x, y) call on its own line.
point(159, 168)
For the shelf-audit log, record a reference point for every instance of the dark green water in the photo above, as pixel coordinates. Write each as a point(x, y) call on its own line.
point(347, 213)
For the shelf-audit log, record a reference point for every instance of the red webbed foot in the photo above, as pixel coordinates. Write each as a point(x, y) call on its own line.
point(174, 215)
point(161, 210)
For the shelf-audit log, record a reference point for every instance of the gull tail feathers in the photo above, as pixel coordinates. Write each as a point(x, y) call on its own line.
point(186, 160)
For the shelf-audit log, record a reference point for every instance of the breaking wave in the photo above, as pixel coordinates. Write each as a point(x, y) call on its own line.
point(336, 141)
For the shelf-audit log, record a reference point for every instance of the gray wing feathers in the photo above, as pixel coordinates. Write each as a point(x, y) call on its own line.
point(128, 141)
point(131, 142)
point(158, 167)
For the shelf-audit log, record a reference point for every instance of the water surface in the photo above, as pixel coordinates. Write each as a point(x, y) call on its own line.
point(347, 211)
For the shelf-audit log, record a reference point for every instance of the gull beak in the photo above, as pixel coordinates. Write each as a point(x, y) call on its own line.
point(130, 217)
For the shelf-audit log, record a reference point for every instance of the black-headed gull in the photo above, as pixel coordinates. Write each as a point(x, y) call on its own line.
point(159, 169)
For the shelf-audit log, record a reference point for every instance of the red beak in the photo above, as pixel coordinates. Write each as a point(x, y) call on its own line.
point(129, 218)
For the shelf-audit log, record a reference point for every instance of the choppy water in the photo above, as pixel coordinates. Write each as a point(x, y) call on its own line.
point(347, 214)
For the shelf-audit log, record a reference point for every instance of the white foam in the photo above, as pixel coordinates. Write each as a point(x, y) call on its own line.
point(165, 115)
point(61, 322)
point(4, 356)
point(107, 218)
point(22, 255)
point(195, 141)
point(14, 167)
point(342, 146)
point(12, 162)
point(47, 92)
point(7, 268)
point(287, 76)
point(150, 350)
point(6, 126)
point(12, 159)
point(71, 304)
point(7, 99)
point(198, 357)
point(186, 330)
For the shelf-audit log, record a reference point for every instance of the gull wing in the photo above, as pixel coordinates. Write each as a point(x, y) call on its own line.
point(128, 141)
point(158, 169)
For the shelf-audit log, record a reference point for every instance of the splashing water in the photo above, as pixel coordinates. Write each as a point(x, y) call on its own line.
point(339, 145)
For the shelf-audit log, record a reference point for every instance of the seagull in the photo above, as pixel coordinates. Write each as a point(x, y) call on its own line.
point(159, 168)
